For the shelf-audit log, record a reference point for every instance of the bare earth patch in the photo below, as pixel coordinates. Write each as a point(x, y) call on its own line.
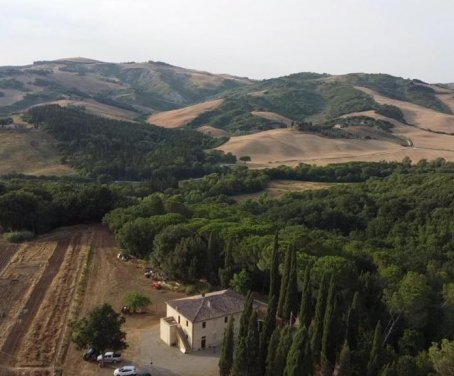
point(182, 116)
point(273, 116)
point(277, 188)
point(212, 131)
point(31, 152)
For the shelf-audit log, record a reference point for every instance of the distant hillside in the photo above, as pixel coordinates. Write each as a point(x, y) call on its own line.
point(122, 91)
point(315, 98)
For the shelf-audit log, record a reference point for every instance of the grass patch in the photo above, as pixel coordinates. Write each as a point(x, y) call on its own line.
point(19, 236)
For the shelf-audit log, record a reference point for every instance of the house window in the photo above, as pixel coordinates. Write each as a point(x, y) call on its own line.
point(187, 324)
point(178, 319)
point(204, 324)
point(226, 319)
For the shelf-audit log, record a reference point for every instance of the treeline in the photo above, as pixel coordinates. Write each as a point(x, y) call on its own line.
point(122, 150)
point(388, 241)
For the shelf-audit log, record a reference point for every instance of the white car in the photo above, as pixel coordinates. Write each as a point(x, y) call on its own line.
point(110, 357)
point(125, 371)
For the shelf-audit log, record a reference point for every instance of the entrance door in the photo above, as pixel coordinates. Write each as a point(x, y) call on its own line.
point(204, 342)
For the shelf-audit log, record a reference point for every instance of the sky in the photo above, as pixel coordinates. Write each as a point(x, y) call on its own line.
point(252, 38)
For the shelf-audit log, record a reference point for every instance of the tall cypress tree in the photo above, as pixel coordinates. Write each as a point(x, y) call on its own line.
point(267, 331)
point(327, 321)
point(374, 359)
point(317, 324)
point(305, 307)
point(226, 273)
point(290, 308)
point(280, 359)
point(344, 361)
point(274, 271)
point(226, 359)
point(246, 316)
point(271, 351)
point(241, 358)
point(284, 282)
point(252, 345)
point(295, 358)
point(351, 330)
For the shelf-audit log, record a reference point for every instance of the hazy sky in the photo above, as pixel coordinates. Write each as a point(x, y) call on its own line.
point(254, 38)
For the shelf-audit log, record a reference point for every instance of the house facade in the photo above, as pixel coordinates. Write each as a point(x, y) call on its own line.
point(198, 322)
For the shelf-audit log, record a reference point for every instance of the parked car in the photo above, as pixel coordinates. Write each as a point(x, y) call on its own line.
point(110, 357)
point(144, 374)
point(90, 354)
point(126, 371)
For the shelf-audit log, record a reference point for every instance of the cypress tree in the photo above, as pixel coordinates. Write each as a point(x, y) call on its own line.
point(271, 351)
point(274, 271)
point(307, 358)
point(351, 330)
point(316, 327)
point(267, 331)
point(226, 273)
point(252, 346)
point(327, 320)
point(280, 359)
point(305, 307)
point(290, 308)
point(295, 358)
point(374, 358)
point(226, 359)
point(284, 282)
point(241, 358)
point(246, 316)
point(344, 361)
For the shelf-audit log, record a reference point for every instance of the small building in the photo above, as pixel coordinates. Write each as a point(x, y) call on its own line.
point(199, 321)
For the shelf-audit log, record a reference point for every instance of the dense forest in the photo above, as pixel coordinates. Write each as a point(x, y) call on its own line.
point(119, 150)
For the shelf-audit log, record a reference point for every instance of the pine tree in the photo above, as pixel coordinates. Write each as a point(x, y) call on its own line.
point(327, 321)
point(280, 359)
point(226, 359)
point(267, 331)
point(252, 345)
point(271, 351)
point(351, 330)
point(290, 308)
point(374, 358)
point(274, 271)
point(344, 361)
point(284, 282)
point(295, 358)
point(317, 324)
point(192, 270)
point(305, 307)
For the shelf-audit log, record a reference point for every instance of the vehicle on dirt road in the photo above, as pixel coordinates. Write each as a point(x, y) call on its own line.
point(91, 354)
point(126, 371)
point(144, 374)
point(110, 357)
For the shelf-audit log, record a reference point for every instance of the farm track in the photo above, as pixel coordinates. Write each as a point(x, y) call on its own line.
point(30, 310)
point(49, 323)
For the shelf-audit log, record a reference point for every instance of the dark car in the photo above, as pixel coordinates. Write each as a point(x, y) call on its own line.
point(91, 354)
point(144, 374)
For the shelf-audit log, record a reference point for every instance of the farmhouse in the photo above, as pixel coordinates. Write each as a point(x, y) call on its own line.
point(198, 322)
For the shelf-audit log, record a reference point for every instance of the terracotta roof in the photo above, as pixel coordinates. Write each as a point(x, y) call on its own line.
point(209, 306)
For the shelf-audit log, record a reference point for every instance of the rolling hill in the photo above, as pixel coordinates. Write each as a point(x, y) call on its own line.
point(303, 117)
point(126, 90)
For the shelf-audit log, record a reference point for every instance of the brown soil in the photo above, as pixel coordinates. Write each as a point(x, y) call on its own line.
point(182, 116)
point(273, 117)
point(212, 131)
point(277, 188)
point(37, 287)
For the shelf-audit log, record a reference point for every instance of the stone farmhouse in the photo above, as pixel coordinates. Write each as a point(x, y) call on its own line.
point(198, 322)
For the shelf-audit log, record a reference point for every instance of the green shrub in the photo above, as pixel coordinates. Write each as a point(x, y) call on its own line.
point(19, 236)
